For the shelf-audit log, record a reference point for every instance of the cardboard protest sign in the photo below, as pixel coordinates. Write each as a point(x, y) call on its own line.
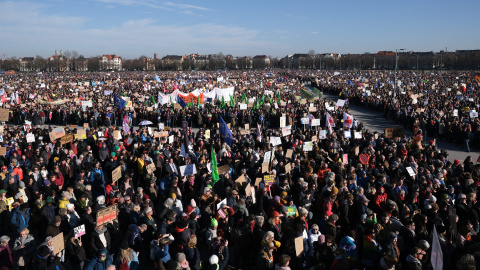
point(223, 169)
point(258, 181)
point(117, 174)
point(269, 179)
point(4, 113)
point(188, 169)
point(81, 134)
point(150, 168)
point(245, 132)
point(117, 135)
point(241, 180)
point(393, 132)
point(79, 231)
point(299, 246)
point(265, 167)
point(3, 151)
point(312, 109)
point(164, 134)
point(58, 243)
point(288, 168)
point(247, 126)
point(106, 215)
point(66, 139)
point(289, 153)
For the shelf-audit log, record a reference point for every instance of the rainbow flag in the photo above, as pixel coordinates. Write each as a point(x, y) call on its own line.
point(477, 79)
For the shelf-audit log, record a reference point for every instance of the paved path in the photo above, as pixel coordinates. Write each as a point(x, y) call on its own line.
point(374, 121)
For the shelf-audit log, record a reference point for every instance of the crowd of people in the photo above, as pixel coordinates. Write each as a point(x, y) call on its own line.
point(303, 186)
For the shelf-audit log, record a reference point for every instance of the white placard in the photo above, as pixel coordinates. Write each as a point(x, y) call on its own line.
point(315, 122)
point(347, 134)
point(410, 171)
point(267, 157)
point(283, 121)
point(455, 112)
point(79, 231)
point(308, 146)
point(286, 131)
point(357, 134)
point(305, 121)
point(243, 106)
point(171, 139)
point(223, 202)
point(189, 169)
point(30, 138)
point(473, 114)
point(322, 134)
point(275, 141)
point(161, 126)
point(340, 103)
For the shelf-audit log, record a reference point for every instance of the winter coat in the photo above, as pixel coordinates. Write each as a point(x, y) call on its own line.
point(20, 220)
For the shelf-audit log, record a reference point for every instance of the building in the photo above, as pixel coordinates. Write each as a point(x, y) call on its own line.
point(172, 62)
point(26, 63)
point(57, 62)
point(110, 62)
point(261, 61)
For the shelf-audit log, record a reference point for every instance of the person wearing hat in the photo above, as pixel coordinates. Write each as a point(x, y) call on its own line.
point(72, 216)
point(126, 257)
point(275, 224)
point(182, 233)
point(101, 260)
point(182, 262)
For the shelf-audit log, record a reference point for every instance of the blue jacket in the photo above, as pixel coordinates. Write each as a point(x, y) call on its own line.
point(163, 255)
point(19, 220)
point(97, 264)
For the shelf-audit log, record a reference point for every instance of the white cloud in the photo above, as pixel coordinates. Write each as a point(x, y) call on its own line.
point(40, 31)
point(185, 6)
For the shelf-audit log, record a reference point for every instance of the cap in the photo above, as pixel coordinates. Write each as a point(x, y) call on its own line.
point(70, 206)
point(214, 222)
point(49, 199)
point(4, 167)
point(2, 191)
point(57, 219)
point(456, 162)
point(276, 214)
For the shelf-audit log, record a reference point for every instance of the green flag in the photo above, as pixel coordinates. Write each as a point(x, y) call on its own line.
point(223, 102)
point(279, 98)
point(232, 102)
point(263, 99)
point(244, 98)
point(198, 102)
point(213, 167)
point(153, 100)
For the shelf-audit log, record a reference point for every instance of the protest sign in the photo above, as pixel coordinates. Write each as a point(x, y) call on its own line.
point(223, 202)
point(223, 169)
point(340, 103)
point(315, 122)
point(289, 153)
point(288, 168)
point(58, 243)
point(258, 181)
point(66, 139)
point(393, 132)
point(305, 121)
point(79, 231)
point(322, 134)
point(241, 180)
point(308, 146)
point(283, 121)
point(299, 246)
point(243, 106)
point(188, 169)
point(4, 113)
point(3, 151)
point(291, 211)
point(347, 134)
point(357, 134)
point(58, 132)
point(269, 179)
point(117, 135)
point(117, 174)
point(410, 171)
point(30, 138)
point(345, 159)
point(106, 215)
point(150, 168)
point(265, 167)
point(248, 190)
point(275, 141)
point(81, 134)
point(286, 131)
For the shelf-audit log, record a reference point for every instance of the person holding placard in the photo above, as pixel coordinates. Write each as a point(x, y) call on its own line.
point(75, 253)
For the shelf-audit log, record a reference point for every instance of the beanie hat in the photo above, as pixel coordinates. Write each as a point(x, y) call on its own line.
point(21, 184)
point(214, 222)
point(70, 206)
point(213, 259)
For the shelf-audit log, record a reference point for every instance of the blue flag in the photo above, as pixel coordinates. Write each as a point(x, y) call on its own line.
point(350, 82)
point(119, 102)
point(157, 79)
point(181, 102)
point(225, 131)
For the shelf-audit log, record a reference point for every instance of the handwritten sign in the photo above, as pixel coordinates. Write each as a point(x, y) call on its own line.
point(3, 151)
point(81, 134)
point(286, 131)
point(66, 139)
point(393, 132)
point(117, 174)
point(288, 168)
point(106, 215)
point(308, 146)
point(79, 231)
point(58, 132)
point(223, 169)
point(30, 138)
point(275, 141)
point(241, 180)
point(315, 122)
point(299, 246)
point(265, 167)
point(289, 153)
point(269, 179)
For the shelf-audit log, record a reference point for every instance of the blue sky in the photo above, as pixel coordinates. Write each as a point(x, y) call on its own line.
point(131, 28)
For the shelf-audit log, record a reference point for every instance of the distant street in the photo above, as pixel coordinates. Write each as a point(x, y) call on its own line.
point(374, 121)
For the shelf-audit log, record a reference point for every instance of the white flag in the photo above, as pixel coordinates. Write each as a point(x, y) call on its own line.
point(347, 120)
point(437, 254)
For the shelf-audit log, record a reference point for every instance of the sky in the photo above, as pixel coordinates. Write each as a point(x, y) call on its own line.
point(132, 28)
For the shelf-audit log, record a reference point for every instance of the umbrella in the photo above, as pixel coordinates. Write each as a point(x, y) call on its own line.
point(145, 123)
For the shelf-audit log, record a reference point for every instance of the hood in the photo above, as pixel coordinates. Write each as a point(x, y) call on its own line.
point(411, 259)
point(134, 228)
